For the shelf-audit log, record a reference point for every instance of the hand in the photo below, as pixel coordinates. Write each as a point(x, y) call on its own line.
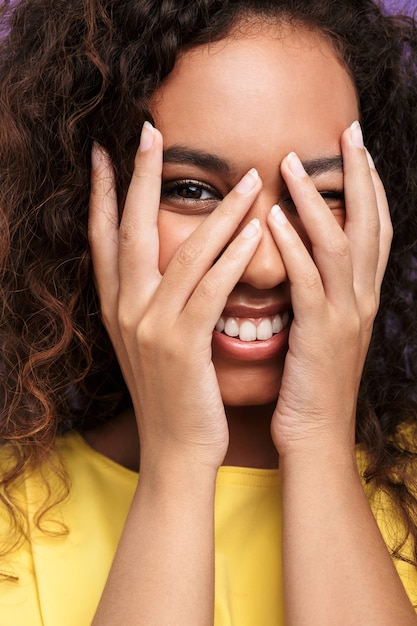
point(161, 326)
point(335, 289)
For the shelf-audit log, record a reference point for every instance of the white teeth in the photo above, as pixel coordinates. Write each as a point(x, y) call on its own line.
point(277, 324)
point(264, 329)
point(247, 331)
point(231, 327)
point(220, 325)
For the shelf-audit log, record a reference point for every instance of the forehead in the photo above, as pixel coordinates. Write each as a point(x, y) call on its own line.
point(273, 88)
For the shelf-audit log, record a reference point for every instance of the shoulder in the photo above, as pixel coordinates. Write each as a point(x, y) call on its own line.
point(54, 497)
point(68, 534)
point(392, 497)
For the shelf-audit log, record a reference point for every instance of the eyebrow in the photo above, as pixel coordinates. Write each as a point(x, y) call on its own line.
point(205, 160)
point(323, 165)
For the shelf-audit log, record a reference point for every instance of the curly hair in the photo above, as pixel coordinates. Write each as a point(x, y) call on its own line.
point(75, 72)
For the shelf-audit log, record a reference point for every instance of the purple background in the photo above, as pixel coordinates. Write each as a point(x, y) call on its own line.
point(400, 6)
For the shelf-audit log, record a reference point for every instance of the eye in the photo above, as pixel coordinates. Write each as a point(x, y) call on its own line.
point(334, 198)
point(189, 197)
point(189, 190)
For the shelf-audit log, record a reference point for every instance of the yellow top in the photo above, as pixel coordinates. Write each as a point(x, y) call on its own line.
point(62, 577)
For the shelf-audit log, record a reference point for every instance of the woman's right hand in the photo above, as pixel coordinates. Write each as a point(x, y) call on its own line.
point(161, 326)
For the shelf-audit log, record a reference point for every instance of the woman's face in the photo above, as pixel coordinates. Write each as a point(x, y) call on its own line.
point(245, 102)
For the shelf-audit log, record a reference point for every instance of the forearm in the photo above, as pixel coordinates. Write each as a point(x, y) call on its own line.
point(337, 569)
point(163, 572)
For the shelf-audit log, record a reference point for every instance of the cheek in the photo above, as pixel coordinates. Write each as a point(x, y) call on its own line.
point(173, 230)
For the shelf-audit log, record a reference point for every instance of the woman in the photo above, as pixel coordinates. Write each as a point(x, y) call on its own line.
point(238, 271)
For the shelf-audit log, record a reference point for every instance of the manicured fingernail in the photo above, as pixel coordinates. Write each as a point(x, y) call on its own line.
point(295, 165)
point(147, 137)
point(356, 135)
point(370, 160)
point(248, 182)
point(278, 215)
point(251, 229)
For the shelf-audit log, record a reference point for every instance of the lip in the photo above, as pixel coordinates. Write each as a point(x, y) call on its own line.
point(255, 312)
point(233, 348)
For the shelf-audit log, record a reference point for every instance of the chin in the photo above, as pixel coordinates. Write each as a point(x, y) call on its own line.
point(238, 389)
point(249, 400)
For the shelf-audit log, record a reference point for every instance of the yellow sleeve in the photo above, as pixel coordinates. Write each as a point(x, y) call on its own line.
point(19, 598)
point(393, 533)
point(61, 576)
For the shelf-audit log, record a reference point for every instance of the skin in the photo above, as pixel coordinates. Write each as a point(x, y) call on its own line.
point(202, 93)
point(252, 101)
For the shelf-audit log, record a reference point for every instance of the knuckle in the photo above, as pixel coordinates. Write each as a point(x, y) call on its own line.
point(311, 281)
point(154, 345)
point(141, 173)
point(355, 325)
point(147, 330)
point(233, 254)
point(227, 209)
point(309, 193)
point(143, 335)
point(126, 321)
point(369, 311)
point(189, 253)
point(338, 247)
point(352, 330)
point(208, 290)
point(128, 232)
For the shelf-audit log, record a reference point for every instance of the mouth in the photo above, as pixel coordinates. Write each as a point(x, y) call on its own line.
point(253, 329)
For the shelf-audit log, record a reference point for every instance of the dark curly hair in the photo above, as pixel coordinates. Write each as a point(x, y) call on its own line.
point(77, 71)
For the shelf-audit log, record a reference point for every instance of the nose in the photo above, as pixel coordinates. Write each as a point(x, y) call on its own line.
point(266, 269)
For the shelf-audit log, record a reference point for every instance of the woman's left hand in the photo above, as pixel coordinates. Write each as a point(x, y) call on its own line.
point(335, 290)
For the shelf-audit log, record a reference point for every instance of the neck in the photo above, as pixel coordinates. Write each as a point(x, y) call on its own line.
point(251, 444)
point(250, 439)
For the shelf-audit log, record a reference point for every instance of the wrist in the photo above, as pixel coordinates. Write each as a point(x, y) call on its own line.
point(323, 459)
point(324, 440)
point(162, 472)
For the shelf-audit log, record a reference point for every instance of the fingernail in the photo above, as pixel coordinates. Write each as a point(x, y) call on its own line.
point(278, 215)
point(251, 229)
point(370, 160)
point(356, 135)
point(295, 165)
point(147, 137)
point(248, 182)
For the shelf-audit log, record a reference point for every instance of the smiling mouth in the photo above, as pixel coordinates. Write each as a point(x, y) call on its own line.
point(253, 329)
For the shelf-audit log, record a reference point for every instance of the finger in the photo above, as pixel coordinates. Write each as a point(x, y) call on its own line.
point(362, 225)
point(103, 232)
point(197, 254)
point(307, 290)
point(103, 226)
point(329, 244)
point(386, 229)
point(211, 293)
point(138, 231)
